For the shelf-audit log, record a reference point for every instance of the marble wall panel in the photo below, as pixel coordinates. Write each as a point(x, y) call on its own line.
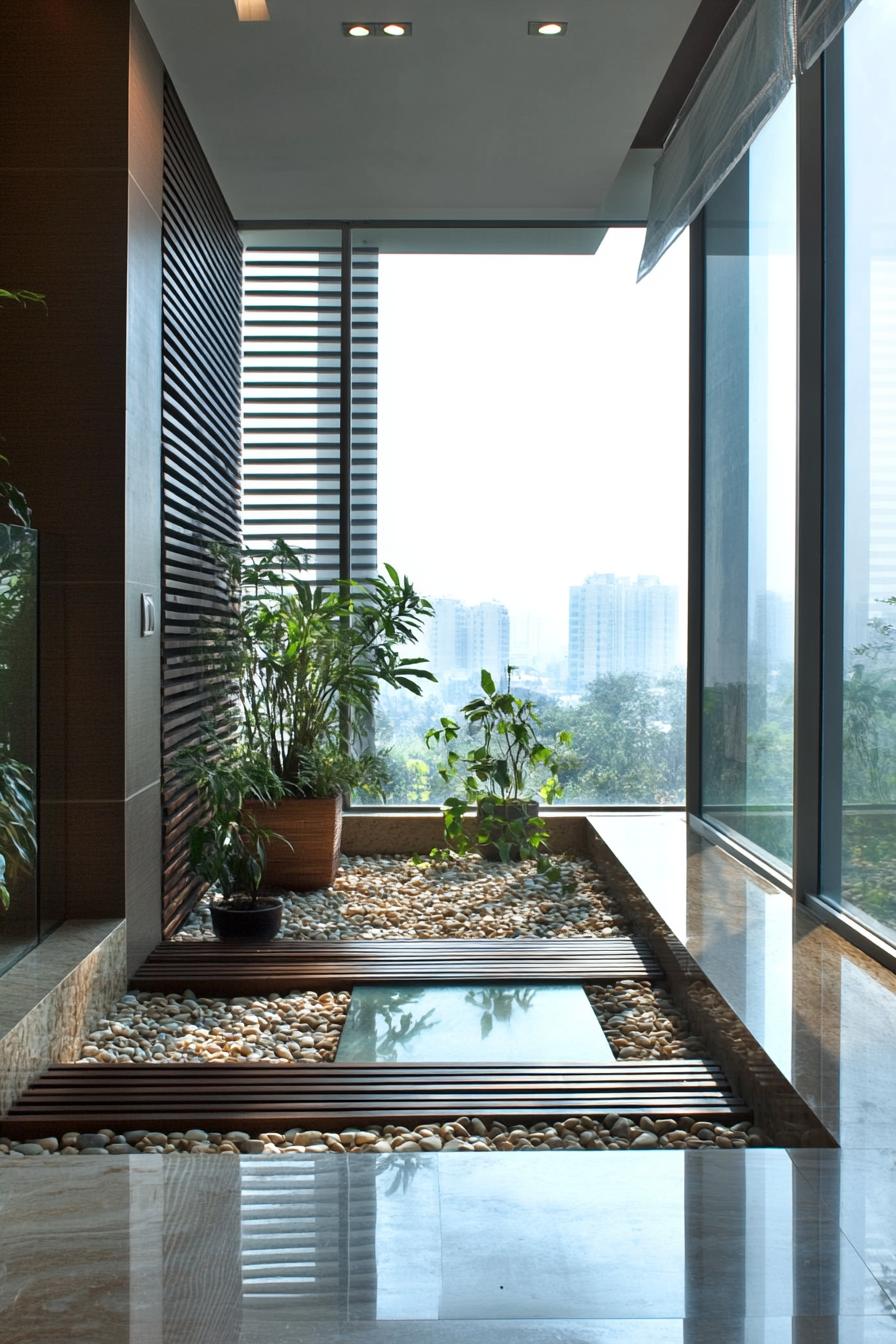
point(54, 997)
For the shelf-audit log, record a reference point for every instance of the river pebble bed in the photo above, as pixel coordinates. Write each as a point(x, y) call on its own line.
point(640, 1022)
point(389, 896)
point(609, 1132)
point(146, 1028)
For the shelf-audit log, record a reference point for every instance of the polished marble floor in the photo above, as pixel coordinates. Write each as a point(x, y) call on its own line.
point(824, 1013)
point(472, 1024)
point(702, 1248)
point(763, 1246)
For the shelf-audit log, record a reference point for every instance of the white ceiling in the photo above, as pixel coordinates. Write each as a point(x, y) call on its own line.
point(469, 118)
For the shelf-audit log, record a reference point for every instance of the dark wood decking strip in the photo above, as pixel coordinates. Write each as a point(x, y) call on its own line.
point(259, 1097)
point(218, 968)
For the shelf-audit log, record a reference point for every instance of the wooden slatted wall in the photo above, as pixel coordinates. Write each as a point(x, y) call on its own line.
point(201, 463)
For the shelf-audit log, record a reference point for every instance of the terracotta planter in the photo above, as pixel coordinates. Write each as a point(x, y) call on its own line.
point(313, 826)
point(513, 812)
point(257, 923)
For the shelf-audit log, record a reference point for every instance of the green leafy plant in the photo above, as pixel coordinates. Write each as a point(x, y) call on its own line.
point(23, 297)
point(309, 663)
point(506, 770)
point(13, 498)
point(18, 606)
point(10, 495)
point(18, 828)
point(227, 848)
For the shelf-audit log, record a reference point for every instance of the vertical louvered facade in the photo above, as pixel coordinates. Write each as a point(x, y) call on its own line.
point(201, 322)
point(309, 404)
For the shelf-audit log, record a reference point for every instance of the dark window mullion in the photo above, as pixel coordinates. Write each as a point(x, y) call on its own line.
point(813, 633)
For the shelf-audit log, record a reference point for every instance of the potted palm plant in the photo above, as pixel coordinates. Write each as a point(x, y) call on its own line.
point(228, 847)
point(310, 662)
point(499, 776)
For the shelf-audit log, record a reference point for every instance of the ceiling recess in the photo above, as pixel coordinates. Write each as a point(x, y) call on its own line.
point(468, 120)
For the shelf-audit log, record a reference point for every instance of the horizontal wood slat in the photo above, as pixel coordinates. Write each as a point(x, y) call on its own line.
point(292, 402)
point(259, 1097)
point(201, 351)
point(219, 968)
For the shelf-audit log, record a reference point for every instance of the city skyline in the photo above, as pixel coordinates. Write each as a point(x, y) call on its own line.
point(641, 634)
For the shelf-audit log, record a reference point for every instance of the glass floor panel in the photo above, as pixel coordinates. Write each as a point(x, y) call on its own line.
point(472, 1024)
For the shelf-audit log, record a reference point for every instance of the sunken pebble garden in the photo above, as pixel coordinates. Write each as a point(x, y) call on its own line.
point(508, 992)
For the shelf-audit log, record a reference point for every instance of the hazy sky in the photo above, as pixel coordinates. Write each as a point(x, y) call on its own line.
point(533, 423)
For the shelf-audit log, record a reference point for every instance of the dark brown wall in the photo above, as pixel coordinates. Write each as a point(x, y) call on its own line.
point(80, 214)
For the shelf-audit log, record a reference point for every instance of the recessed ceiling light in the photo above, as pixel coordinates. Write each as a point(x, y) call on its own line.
point(365, 29)
point(252, 11)
point(547, 28)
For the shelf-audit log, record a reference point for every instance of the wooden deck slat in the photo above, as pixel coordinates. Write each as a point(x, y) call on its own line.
point(218, 968)
point(268, 1096)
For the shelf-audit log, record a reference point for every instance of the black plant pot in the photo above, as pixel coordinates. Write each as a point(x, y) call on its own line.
point(512, 812)
point(257, 923)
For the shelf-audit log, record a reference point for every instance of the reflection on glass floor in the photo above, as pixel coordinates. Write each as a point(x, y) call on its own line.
point(472, 1024)
point(694, 1238)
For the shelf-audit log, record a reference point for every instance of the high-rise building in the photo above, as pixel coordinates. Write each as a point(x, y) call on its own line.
point(772, 629)
point(621, 625)
point(448, 638)
point(489, 627)
point(461, 640)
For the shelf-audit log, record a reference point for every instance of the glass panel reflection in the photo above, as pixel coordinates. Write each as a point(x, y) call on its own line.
point(474, 1023)
point(750, 472)
point(18, 742)
point(865, 876)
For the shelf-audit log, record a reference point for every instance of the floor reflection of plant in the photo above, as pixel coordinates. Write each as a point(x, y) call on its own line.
point(400, 1025)
point(403, 1173)
point(869, 863)
point(497, 1005)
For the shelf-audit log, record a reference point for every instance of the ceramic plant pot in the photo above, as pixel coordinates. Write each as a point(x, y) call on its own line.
point(513, 812)
point(257, 923)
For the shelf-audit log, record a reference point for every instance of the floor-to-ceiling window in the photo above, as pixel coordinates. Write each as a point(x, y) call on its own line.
point(749, 484)
point(516, 444)
point(859, 871)
point(532, 481)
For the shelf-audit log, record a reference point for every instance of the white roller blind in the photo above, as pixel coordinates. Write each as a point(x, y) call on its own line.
point(747, 76)
point(818, 23)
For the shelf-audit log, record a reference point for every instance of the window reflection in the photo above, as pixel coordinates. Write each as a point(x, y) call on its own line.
point(750, 445)
point(18, 742)
point(864, 874)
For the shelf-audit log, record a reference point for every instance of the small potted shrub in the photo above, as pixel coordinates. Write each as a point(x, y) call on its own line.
point(309, 663)
point(499, 776)
point(227, 849)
